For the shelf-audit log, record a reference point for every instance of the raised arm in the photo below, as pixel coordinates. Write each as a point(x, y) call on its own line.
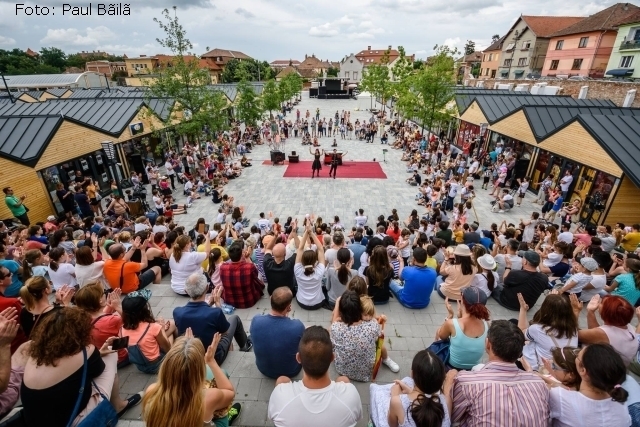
point(319, 247)
point(302, 245)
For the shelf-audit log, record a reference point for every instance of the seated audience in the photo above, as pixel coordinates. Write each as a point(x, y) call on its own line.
point(122, 273)
point(500, 394)
point(12, 363)
point(378, 273)
point(60, 351)
point(11, 303)
point(242, 286)
point(278, 269)
point(528, 282)
point(627, 285)
point(276, 337)
point(184, 394)
point(183, 262)
point(88, 269)
point(456, 272)
point(206, 318)
point(419, 281)
point(315, 401)
point(339, 274)
point(416, 400)
point(309, 270)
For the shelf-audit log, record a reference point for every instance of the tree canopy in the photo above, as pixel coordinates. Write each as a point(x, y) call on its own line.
point(377, 81)
point(256, 70)
point(470, 47)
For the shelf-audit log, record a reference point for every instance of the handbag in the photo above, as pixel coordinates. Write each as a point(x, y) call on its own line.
point(441, 349)
point(103, 415)
point(379, 346)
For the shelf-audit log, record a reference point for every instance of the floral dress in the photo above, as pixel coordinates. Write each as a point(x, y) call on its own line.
point(355, 348)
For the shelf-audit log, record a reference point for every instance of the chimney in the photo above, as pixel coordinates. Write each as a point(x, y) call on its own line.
point(305, 56)
point(368, 47)
point(628, 100)
point(389, 47)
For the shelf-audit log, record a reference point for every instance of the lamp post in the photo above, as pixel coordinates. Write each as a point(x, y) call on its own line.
point(110, 151)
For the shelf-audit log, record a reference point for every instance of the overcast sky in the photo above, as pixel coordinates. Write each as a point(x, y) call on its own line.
point(282, 29)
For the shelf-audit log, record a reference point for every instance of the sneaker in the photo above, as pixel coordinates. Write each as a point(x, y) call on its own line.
point(234, 412)
point(393, 366)
point(500, 211)
point(248, 346)
point(131, 402)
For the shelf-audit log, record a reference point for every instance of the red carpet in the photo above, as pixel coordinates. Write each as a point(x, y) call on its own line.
point(349, 169)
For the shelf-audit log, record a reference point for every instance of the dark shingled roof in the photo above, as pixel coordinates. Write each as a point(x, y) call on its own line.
point(465, 96)
point(24, 139)
point(618, 136)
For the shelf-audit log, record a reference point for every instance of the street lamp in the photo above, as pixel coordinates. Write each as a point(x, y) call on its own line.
point(110, 151)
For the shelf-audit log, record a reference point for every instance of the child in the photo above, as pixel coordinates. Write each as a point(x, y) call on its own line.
point(522, 190)
point(486, 176)
point(431, 262)
point(581, 277)
point(458, 232)
point(394, 258)
point(34, 264)
point(552, 258)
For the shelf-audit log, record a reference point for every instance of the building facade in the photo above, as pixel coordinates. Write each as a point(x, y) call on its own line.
point(625, 55)
point(491, 60)
point(351, 69)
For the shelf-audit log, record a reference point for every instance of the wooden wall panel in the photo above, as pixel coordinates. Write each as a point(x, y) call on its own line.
point(474, 115)
point(149, 120)
point(515, 126)
point(624, 207)
point(575, 143)
point(24, 180)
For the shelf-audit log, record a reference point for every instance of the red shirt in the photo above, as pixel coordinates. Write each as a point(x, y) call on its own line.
point(242, 287)
point(107, 326)
point(20, 336)
point(394, 234)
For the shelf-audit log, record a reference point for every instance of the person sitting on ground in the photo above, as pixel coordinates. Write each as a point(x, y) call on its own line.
point(278, 269)
point(378, 273)
point(242, 286)
point(60, 351)
point(206, 318)
point(183, 262)
point(487, 278)
point(419, 281)
point(309, 270)
point(338, 275)
point(277, 337)
point(12, 360)
point(467, 330)
point(185, 373)
point(553, 326)
point(456, 272)
point(149, 339)
point(474, 393)
point(354, 340)
point(528, 282)
point(599, 401)
point(416, 400)
point(504, 203)
point(315, 401)
point(627, 285)
point(121, 273)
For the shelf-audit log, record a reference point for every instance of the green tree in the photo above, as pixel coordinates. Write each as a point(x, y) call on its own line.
point(418, 63)
point(290, 85)
point(470, 47)
point(495, 38)
point(258, 71)
point(270, 97)
point(187, 84)
point(248, 104)
point(332, 72)
point(377, 81)
point(429, 90)
point(53, 57)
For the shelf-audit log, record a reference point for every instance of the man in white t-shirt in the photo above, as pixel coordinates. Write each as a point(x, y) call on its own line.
point(263, 224)
point(565, 183)
point(361, 219)
point(505, 203)
point(511, 252)
point(565, 235)
point(453, 192)
point(315, 401)
point(170, 173)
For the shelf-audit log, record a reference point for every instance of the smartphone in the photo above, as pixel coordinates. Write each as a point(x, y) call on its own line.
point(619, 256)
point(120, 343)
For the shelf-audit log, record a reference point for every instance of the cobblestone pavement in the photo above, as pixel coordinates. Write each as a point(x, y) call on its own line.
point(261, 188)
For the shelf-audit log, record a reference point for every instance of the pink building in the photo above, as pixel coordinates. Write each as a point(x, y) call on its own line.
point(583, 49)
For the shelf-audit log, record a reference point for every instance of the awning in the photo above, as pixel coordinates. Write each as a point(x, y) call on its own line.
point(518, 72)
point(504, 73)
point(620, 72)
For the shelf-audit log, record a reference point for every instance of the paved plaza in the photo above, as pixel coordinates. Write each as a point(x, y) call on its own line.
point(261, 188)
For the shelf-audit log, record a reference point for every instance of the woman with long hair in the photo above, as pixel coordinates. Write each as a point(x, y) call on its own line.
point(394, 231)
point(600, 399)
point(339, 275)
point(627, 285)
point(215, 261)
point(379, 273)
point(316, 166)
point(309, 270)
point(364, 258)
point(60, 271)
point(487, 278)
point(60, 350)
point(183, 262)
point(467, 330)
point(181, 397)
point(554, 325)
point(457, 272)
point(35, 296)
point(417, 400)
point(34, 264)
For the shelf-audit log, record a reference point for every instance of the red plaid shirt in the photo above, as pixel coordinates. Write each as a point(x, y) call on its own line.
point(242, 287)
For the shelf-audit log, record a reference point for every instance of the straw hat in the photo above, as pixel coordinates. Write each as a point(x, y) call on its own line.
point(487, 262)
point(462, 250)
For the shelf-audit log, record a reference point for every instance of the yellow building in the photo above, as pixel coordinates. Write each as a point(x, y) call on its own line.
point(491, 60)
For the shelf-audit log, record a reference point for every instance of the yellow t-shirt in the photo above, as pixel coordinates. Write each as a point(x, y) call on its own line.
point(431, 262)
point(223, 251)
point(459, 235)
point(630, 241)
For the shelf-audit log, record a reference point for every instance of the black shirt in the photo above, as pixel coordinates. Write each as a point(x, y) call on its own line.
point(471, 237)
point(279, 274)
point(528, 283)
point(417, 178)
point(379, 294)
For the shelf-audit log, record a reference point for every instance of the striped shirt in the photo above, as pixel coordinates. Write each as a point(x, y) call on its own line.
point(500, 395)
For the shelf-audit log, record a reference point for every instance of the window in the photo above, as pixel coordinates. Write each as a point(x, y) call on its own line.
point(526, 44)
point(355, 75)
point(486, 72)
point(577, 63)
point(559, 44)
point(491, 57)
point(583, 41)
point(554, 64)
point(507, 62)
point(626, 61)
point(510, 46)
point(522, 62)
point(346, 74)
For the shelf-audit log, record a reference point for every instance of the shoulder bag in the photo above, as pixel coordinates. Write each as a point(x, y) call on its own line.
point(103, 415)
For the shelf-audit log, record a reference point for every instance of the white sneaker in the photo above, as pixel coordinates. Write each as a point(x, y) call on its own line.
point(500, 211)
point(393, 366)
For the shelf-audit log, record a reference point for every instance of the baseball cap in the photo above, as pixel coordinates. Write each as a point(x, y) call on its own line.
point(532, 257)
point(589, 263)
point(473, 295)
point(213, 234)
point(392, 251)
point(51, 218)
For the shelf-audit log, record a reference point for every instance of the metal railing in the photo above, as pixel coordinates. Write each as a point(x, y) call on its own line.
point(630, 44)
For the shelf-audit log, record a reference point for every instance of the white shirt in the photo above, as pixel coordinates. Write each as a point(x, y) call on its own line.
point(361, 220)
point(598, 281)
point(140, 227)
point(169, 168)
point(516, 264)
point(565, 182)
point(221, 218)
point(157, 203)
point(264, 226)
point(566, 236)
point(160, 229)
point(64, 275)
point(453, 191)
point(507, 197)
point(86, 274)
point(309, 287)
point(190, 262)
point(188, 186)
point(480, 282)
point(568, 408)
point(294, 405)
point(540, 344)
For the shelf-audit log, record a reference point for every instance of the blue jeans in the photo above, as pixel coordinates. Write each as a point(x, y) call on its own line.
point(439, 282)
point(396, 289)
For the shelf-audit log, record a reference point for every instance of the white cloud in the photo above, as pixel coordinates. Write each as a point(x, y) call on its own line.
point(324, 30)
point(366, 24)
point(6, 41)
point(74, 37)
point(245, 13)
point(360, 36)
point(453, 42)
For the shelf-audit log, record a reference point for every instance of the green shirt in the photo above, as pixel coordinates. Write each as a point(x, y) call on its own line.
point(15, 206)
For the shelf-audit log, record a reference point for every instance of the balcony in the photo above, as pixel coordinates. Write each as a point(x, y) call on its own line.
point(630, 45)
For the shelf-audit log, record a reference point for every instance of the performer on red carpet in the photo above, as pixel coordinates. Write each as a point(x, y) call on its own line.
point(317, 164)
point(335, 161)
